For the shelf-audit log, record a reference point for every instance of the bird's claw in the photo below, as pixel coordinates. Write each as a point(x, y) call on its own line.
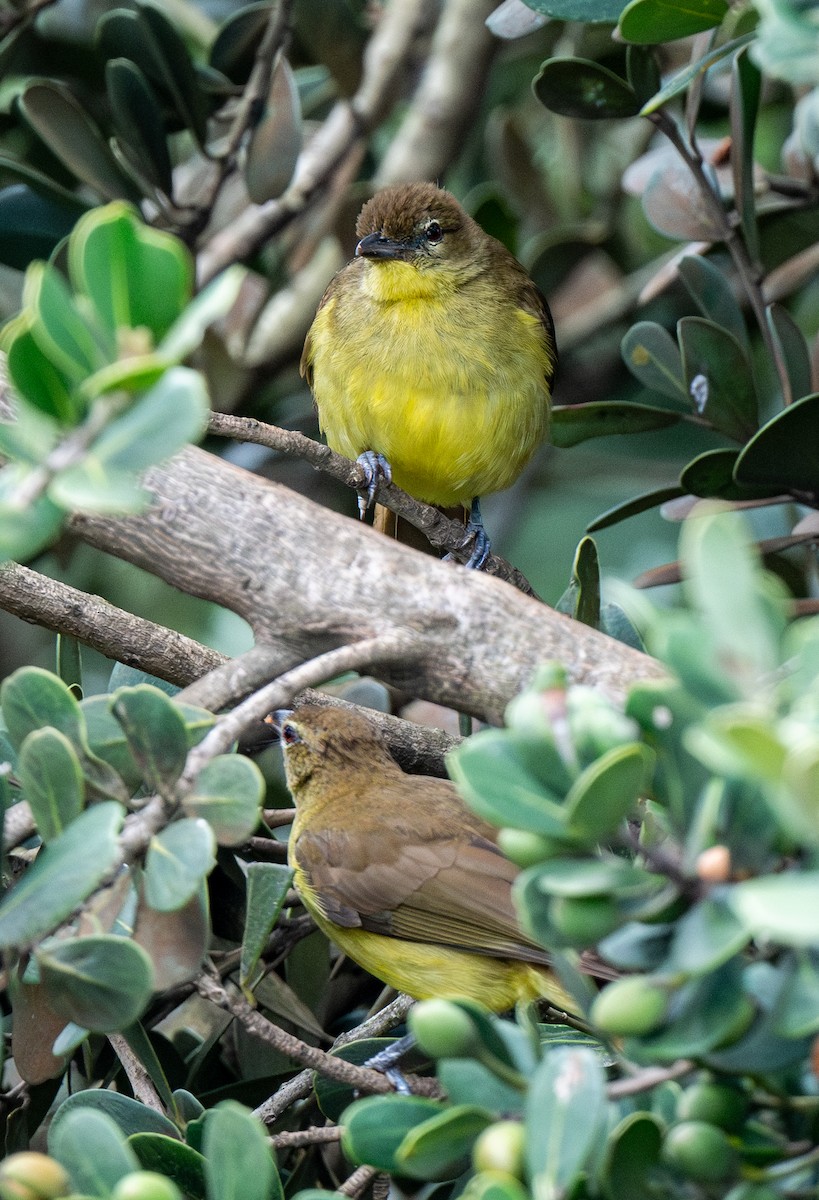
point(476, 540)
point(375, 468)
point(385, 1062)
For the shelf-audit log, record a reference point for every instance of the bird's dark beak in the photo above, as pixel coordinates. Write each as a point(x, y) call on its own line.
point(276, 719)
point(376, 245)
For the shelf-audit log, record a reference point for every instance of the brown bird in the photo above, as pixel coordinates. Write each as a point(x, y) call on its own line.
point(400, 874)
point(432, 354)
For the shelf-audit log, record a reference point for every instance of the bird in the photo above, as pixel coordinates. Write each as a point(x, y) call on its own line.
point(432, 354)
point(400, 874)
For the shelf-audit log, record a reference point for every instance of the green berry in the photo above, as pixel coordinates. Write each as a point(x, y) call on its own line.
point(146, 1185)
point(700, 1151)
point(442, 1029)
point(632, 1007)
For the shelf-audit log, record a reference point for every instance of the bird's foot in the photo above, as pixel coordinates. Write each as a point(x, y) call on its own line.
point(476, 540)
point(385, 1061)
point(375, 468)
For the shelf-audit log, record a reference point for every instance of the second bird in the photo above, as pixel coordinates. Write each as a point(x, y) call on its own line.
point(432, 354)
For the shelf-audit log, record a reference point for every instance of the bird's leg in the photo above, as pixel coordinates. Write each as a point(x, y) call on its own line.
point(476, 537)
point(375, 468)
point(385, 1061)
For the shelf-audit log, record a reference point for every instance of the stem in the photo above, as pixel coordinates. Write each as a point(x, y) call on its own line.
point(749, 277)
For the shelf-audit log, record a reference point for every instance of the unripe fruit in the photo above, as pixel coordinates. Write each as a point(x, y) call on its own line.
point(442, 1029)
point(631, 1007)
point(700, 1151)
point(146, 1185)
point(32, 1176)
point(526, 849)
point(500, 1148)
point(717, 1103)
point(583, 920)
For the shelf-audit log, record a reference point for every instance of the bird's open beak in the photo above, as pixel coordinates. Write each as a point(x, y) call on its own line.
point(275, 719)
point(375, 245)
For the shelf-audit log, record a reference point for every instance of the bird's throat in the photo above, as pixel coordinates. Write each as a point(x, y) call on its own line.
point(392, 281)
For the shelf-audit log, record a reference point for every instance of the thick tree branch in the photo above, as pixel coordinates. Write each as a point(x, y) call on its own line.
point(307, 579)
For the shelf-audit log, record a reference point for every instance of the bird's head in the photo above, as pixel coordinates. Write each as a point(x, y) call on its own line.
point(317, 740)
point(424, 227)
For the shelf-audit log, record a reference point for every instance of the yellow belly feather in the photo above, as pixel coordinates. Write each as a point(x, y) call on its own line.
point(449, 387)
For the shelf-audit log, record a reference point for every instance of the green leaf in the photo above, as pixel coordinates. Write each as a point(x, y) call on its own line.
point(93, 1151)
point(719, 377)
point(170, 54)
point(652, 356)
point(168, 1156)
point(228, 794)
point(155, 731)
point(31, 225)
point(211, 304)
point(464, 1078)
point(581, 599)
point(138, 121)
point(101, 982)
point(712, 475)
point(632, 1153)
point(585, 11)
point(651, 21)
point(631, 508)
point(683, 79)
point(725, 582)
point(238, 1162)
point(566, 1114)
point(495, 783)
point(91, 486)
point(60, 120)
point(793, 349)
point(575, 423)
point(276, 141)
point(178, 859)
point(711, 291)
point(705, 937)
point(32, 697)
point(439, 1147)
point(171, 414)
point(608, 790)
point(579, 87)
point(130, 1115)
point(784, 454)
point(64, 335)
point(134, 276)
point(797, 1009)
point(234, 48)
point(46, 388)
point(267, 886)
point(746, 89)
point(52, 780)
point(374, 1128)
point(64, 874)
point(781, 908)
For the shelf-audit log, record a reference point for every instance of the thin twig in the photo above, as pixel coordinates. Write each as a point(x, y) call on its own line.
point(644, 1081)
point(312, 1136)
point(138, 1077)
point(356, 1183)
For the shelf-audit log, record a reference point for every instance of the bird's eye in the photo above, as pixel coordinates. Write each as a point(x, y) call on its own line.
point(433, 232)
point(289, 734)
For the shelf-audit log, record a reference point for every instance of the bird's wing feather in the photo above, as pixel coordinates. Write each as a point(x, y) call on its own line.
point(446, 891)
point(533, 301)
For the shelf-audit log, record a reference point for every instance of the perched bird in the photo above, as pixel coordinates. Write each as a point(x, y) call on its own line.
point(400, 874)
point(432, 354)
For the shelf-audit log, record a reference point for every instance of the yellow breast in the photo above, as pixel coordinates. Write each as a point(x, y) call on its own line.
point(448, 383)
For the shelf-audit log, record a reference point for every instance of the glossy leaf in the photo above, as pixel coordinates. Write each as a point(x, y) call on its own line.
point(46, 388)
point(168, 1156)
point(637, 504)
point(653, 21)
point(712, 475)
point(608, 790)
point(711, 291)
point(793, 349)
point(133, 275)
point(176, 69)
point(779, 907)
point(578, 87)
point(489, 772)
point(746, 89)
point(238, 1162)
point(102, 982)
point(706, 937)
point(234, 48)
point(93, 1151)
point(52, 780)
point(129, 1115)
point(581, 599)
point(155, 731)
point(68, 338)
point(567, 1098)
point(375, 1127)
point(652, 356)
point(178, 859)
point(683, 79)
point(632, 1153)
point(31, 225)
point(784, 454)
point(61, 122)
point(32, 697)
point(719, 377)
point(267, 886)
point(228, 793)
point(575, 423)
point(276, 141)
point(439, 1147)
point(138, 121)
